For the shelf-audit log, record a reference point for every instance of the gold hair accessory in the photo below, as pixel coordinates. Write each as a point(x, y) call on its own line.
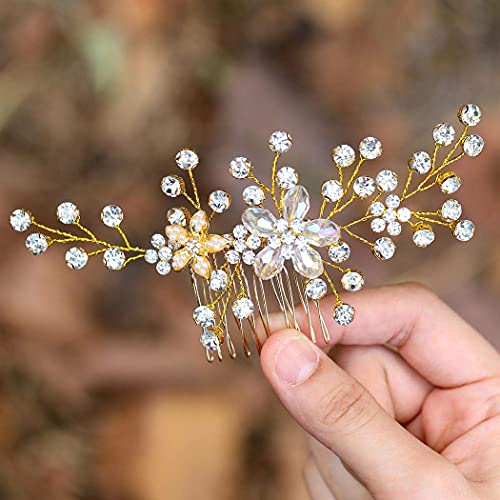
point(275, 253)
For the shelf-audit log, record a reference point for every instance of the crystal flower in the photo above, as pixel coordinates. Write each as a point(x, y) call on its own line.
point(389, 216)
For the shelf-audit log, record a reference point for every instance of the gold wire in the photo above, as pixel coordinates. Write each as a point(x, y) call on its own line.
point(273, 178)
point(360, 238)
point(195, 189)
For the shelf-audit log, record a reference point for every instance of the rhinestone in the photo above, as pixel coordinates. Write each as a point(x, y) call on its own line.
point(239, 245)
point(420, 162)
point(464, 230)
point(20, 220)
point(158, 241)
point(186, 159)
point(114, 259)
point(370, 148)
point(387, 180)
point(204, 316)
point(297, 226)
point(343, 314)
point(76, 258)
point(451, 210)
point(218, 280)
point(253, 195)
point(423, 237)
point(219, 201)
point(68, 213)
point(393, 201)
point(377, 208)
point(248, 257)
point(209, 340)
point(449, 183)
point(470, 114)
point(165, 253)
point(172, 186)
point(151, 256)
point(243, 308)
point(352, 281)
point(473, 145)
point(37, 243)
point(232, 256)
point(339, 253)
point(112, 216)
point(404, 214)
point(384, 248)
point(343, 155)
point(240, 231)
point(240, 167)
point(193, 246)
point(274, 242)
point(332, 190)
point(287, 251)
point(316, 289)
point(443, 134)
point(280, 141)
point(394, 228)
point(253, 242)
point(287, 177)
point(177, 216)
point(281, 226)
point(289, 238)
point(364, 186)
point(389, 215)
point(378, 225)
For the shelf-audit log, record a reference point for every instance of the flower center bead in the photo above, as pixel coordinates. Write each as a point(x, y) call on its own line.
point(194, 246)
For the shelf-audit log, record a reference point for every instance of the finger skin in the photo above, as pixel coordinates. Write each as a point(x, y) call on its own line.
point(316, 485)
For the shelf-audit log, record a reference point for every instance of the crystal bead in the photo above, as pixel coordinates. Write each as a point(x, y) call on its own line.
point(339, 253)
point(37, 243)
point(387, 180)
point(332, 190)
point(364, 186)
point(377, 208)
point(204, 316)
point(469, 114)
point(343, 155)
point(232, 256)
point(352, 281)
point(253, 242)
point(370, 148)
point(307, 261)
point(451, 210)
point(443, 134)
point(253, 196)
point(296, 205)
point(165, 253)
point(76, 258)
point(239, 245)
point(274, 241)
point(449, 182)
point(240, 167)
point(177, 216)
point(316, 289)
point(68, 213)
point(280, 226)
point(280, 142)
point(219, 201)
point(287, 177)
point(172, 186)
point(389, 215)
point(20, 220)
point(393, 201)
point(248, 257)
point(394, 228)
point(403, 214)
point(239, 231)
point(186, 159)
point(163, 267)
point(289, 238)
point(423, 237)
point(321, 232)
point(473, 145)
point(158, 241)
point(420, 162)
point(259, 221)
point(112, 216)
point(219, 280)
point(343, 314)
point(114, 259)
point(209, 340)
point(378, 225)
point(464, 230)
point(151, 256)
point(269, 262)
point(243, 308)
point(384, 248)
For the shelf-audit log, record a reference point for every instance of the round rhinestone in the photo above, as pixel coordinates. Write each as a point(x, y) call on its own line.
point(76, 258)
point(114, 259)
point(378, 225)
point(240, 167)
point(404, 214)
point(352, 281)
point(343, 314)
point(443, 134)
point(209, 340)
point(193, 246)
point(243, 308)
point(172, 186)
point(253, 242)
point(280, 141)
point(20, 220)
point(240, 231)
point(343, 155)
point(473, 145)
point(281, 226)
point(316, 289)
point(451, 210)
point(394, 228)
point(112, 216)
point(377, 208)
point(186, 159)
point(449, 183)
point(158, 241)
point(253, 195)
point(177, 216)
point(384, 248)
point(151, 256)
point(393, 201)
point(370, 148)
point(287, 177)
point(423, 237)
point(470, 114)
point(165, 253)
point(248, 257)
point(389, 215)
point(37, 243)
point(68, 213)
point(464, 230)
point(163, 268)
point(274, 241)
point(387, 180)
point(339, 253)
point(239, 245)
point(332, 190)
point(204, 316)
point(219, 201)
point(364, 186)
point(289, 238)
point(420, 162)
point(219, 280)
point(232, 256)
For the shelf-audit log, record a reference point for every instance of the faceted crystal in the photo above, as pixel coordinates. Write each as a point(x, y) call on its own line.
point(68, 213)
point(259, 221)
point(163, 268)
point(204, 316)
point(352, 281)
point(239, 231)
point(172, 186)
point(239, 245)
point(112, 215)
point(343, 155)
point(243, 308)
point(377, 208)
point(451, 210)
point(248, 257)
point(114, 259)
point(186, 159)
point(274, 241)
point(287, 177)
point(420, 162)
point(37, 243)
point(219, 201)
point(281, 226)
point(316, 289)
point(232, 256)
point(393, 201)
point(219, 280)
point(464, 230)
point(240, 167)
point(450, 183)
point(151, 256)
point(390, 215)
point(339, 253)
point(404, 214)
point(473, 145)
point(209, 340)
point(253, 195)
point(470, 114)
point(280, 141)
point(296, 204)
point(307, 261)
point(253, 242)
point(76, 258)
point(423, 237)
point(177, 216)
point(394, 228)
point(387, 180)
point(343, 314)
point(165, 253)
point(158, 241)
point(20, 220)
point(378, 225)
point(384, 248)
point(370, 148)
point(268, 262)
point(321, 232)
point(364, 186)
point(332, 190)
point(443, 134)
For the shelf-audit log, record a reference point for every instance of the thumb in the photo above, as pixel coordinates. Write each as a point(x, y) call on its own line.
point(340, 413)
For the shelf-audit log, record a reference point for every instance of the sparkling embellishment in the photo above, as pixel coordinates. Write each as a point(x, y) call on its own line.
point(253, 196)
point(219, 280)
point(172, 186)
point(151, 256)
point(449, 183)
point(76, 258)
point(404, 214)
point(239, 245)
point(232, 256)
point(389, 215)
point(209, 340)
point(420, 162)
point(158, 241)
point(112, 216)
point(163, 267)
point(339, 253)
point(364, 186)
point(473, 145)
point(165, 253)
point(443, 134)
point(68, 213)
point(204, 316)
point(219, 201)
point(393, 201)
point(343, 314)
point(177, 216)
point(343, 155)
point(186, 159)
point(253, 242)
point(423, 237)
point(377, 208)
point(287, 177)
point(37, 243)
point(332, 190)
point(243, 308)
point(378, 225)
point(20, 220)
point(280, 141)
point(114, 259)
point(451, 210)
point(394, 228)
point(387, 180)
point(384, 248)
point(316, 289)
point(464, 230)
point(352, 281)
point(240, 167)
point(248, 257)
point(239, 231)
point(470, 114)
point(370, 148)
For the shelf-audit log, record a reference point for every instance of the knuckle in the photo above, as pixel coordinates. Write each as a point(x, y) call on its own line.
point(418, 290)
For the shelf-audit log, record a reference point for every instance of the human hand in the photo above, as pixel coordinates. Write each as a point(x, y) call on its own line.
point(408, 409)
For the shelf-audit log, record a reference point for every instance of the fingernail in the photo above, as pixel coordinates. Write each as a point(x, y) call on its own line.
point(296, 360)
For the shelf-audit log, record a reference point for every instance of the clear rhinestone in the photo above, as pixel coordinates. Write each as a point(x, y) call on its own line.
point(287, 251)
point(343, 314)
point(112, 216)
point(389, 215)
point(274, 242)
point(243, 308)
point(316, 289)
point(20, 220)
point(444, 134)
point(464, 230)
point(219, 280)
point(193, 246)
point(339, 253)
point(151, 256)
point(280, 226)
point(219, 201)
point(394, 228)
point(423, 237)
point(76, 258)
point(378, 225)
point(114, 259)
point(420, 162)
point(209, 340)
point(377, 208)
point(449, 183)
point(352, 281)
point(404, 214)
point(470, 114)
point(451, 210)
point(387, 180)
point(172, 186)
point(204, 316)
point(240, 167)
point(393, 201)
point(37, 243)
point(232, 256)
point(158, 241)
point(289, 238)
point(287, 177)
point(239, 245)
point(280, 141)
point(186, 159)
point(239, 231)
point(297, 226)
point(253, 196)
point(68, 213)
point(248, 257)
point(177, 216)
point(473, 145)
point(370, 148)
point(165, 253)
point(253, 242)
point(384, 248)
point(364, 186)
point(332, 190)
point(343, 155)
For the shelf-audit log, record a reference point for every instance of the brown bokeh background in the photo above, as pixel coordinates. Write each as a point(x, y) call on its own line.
point(104, 391)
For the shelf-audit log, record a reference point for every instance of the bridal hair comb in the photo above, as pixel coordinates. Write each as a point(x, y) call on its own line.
point(275, 253)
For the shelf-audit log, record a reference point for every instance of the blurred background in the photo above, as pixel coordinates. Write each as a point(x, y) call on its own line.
point(105, 393)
